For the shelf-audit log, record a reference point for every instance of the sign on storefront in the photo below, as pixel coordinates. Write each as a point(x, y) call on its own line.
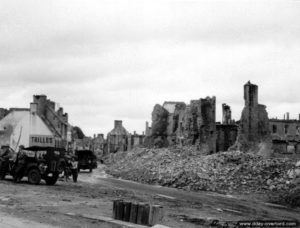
point(41, 140)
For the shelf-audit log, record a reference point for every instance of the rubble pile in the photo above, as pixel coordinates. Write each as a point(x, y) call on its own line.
point(187, 168)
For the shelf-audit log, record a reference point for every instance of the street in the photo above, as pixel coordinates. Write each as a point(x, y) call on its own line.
point(69, 204)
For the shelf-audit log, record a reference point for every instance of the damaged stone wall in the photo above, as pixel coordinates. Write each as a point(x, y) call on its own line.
point(227, 131)
point(159, 126)
point(254, 123)
point(226, 136)
point(226, 114)
point(178, 123)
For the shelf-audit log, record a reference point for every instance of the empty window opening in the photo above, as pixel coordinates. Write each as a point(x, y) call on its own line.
point(274, 129)
point(286, 127)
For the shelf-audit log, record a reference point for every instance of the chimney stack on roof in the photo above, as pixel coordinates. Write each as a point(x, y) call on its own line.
point(33, 108)
point(118, 123)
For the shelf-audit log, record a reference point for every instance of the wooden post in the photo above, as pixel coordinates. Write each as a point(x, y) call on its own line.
point(119, 209)
point(116, 204)
point(156, 215)
point(143, 214)
point(127, 207)
point(133, 213)
point(114, 210)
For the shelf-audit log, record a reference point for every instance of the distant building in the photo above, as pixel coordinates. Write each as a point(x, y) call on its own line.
point(83, 144)
point(136, 140)
point(99, 144)
point(117, 139)
point(285, 135)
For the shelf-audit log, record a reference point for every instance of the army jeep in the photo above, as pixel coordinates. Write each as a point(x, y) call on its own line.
point(40, 163)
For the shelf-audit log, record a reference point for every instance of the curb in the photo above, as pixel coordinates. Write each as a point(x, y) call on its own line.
point(113, 221)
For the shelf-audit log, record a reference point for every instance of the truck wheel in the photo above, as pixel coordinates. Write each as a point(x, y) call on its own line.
point(2, 171)
point(34, 176)
point(51, 180)
point(2, 175)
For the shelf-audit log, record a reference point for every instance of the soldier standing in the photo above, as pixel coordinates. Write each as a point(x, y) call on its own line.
point(20, 165)
point(74, 169)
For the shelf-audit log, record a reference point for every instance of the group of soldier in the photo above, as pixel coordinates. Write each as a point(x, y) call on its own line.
point(19, 158)
point(71, 168)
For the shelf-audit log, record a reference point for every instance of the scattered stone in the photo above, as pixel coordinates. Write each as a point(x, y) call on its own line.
point(186, 168)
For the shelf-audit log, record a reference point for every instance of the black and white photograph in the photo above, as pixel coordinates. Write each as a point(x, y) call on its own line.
point(149, 113)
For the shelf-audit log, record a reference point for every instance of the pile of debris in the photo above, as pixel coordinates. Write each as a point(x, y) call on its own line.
point(186, 168)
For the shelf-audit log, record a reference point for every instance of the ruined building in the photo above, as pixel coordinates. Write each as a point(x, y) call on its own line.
point(135, 140)
point(227, 131)
point(226, 114)
point(178, 123)
point(99, 144)
point(285, 135)
point(117, 139)
point(148, 130)
point(254, 123)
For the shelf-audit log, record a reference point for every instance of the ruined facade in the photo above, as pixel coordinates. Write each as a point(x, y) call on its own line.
point(148, 129)
point(117, 139)
point(99, 144)
point(158, 136)
point(227, 131)
point(226, 114)
point(178, 123)
point(135, 140)
point(285, 135)
point(254, 123)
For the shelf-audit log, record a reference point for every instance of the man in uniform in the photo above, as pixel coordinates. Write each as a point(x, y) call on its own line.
point(4, 160)
point(74, 169)
point(20, 164)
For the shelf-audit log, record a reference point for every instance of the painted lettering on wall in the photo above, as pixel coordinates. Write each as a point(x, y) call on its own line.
point(41, 140)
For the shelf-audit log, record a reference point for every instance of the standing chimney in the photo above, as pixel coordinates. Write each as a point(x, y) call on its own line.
point(33, 108)
point(118, 123)
point(287, 115)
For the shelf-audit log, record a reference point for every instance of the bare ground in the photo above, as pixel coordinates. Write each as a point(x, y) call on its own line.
point(94, 193)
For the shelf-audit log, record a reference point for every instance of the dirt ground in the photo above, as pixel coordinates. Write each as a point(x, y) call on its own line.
point(94, 193)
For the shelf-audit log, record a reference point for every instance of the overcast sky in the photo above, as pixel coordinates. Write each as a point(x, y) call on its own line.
point(107, 60)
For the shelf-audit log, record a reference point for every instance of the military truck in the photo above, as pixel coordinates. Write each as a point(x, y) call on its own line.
point(40, 163)
point(86, 160)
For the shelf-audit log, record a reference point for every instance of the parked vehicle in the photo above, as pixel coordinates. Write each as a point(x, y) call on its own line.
point(39, 163)
point(86, 160)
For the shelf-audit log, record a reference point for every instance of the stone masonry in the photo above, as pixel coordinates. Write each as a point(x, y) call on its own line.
point(178, 123)
point(254, 122)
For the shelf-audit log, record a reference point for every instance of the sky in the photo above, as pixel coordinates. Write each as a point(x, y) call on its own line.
point(114, 60)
